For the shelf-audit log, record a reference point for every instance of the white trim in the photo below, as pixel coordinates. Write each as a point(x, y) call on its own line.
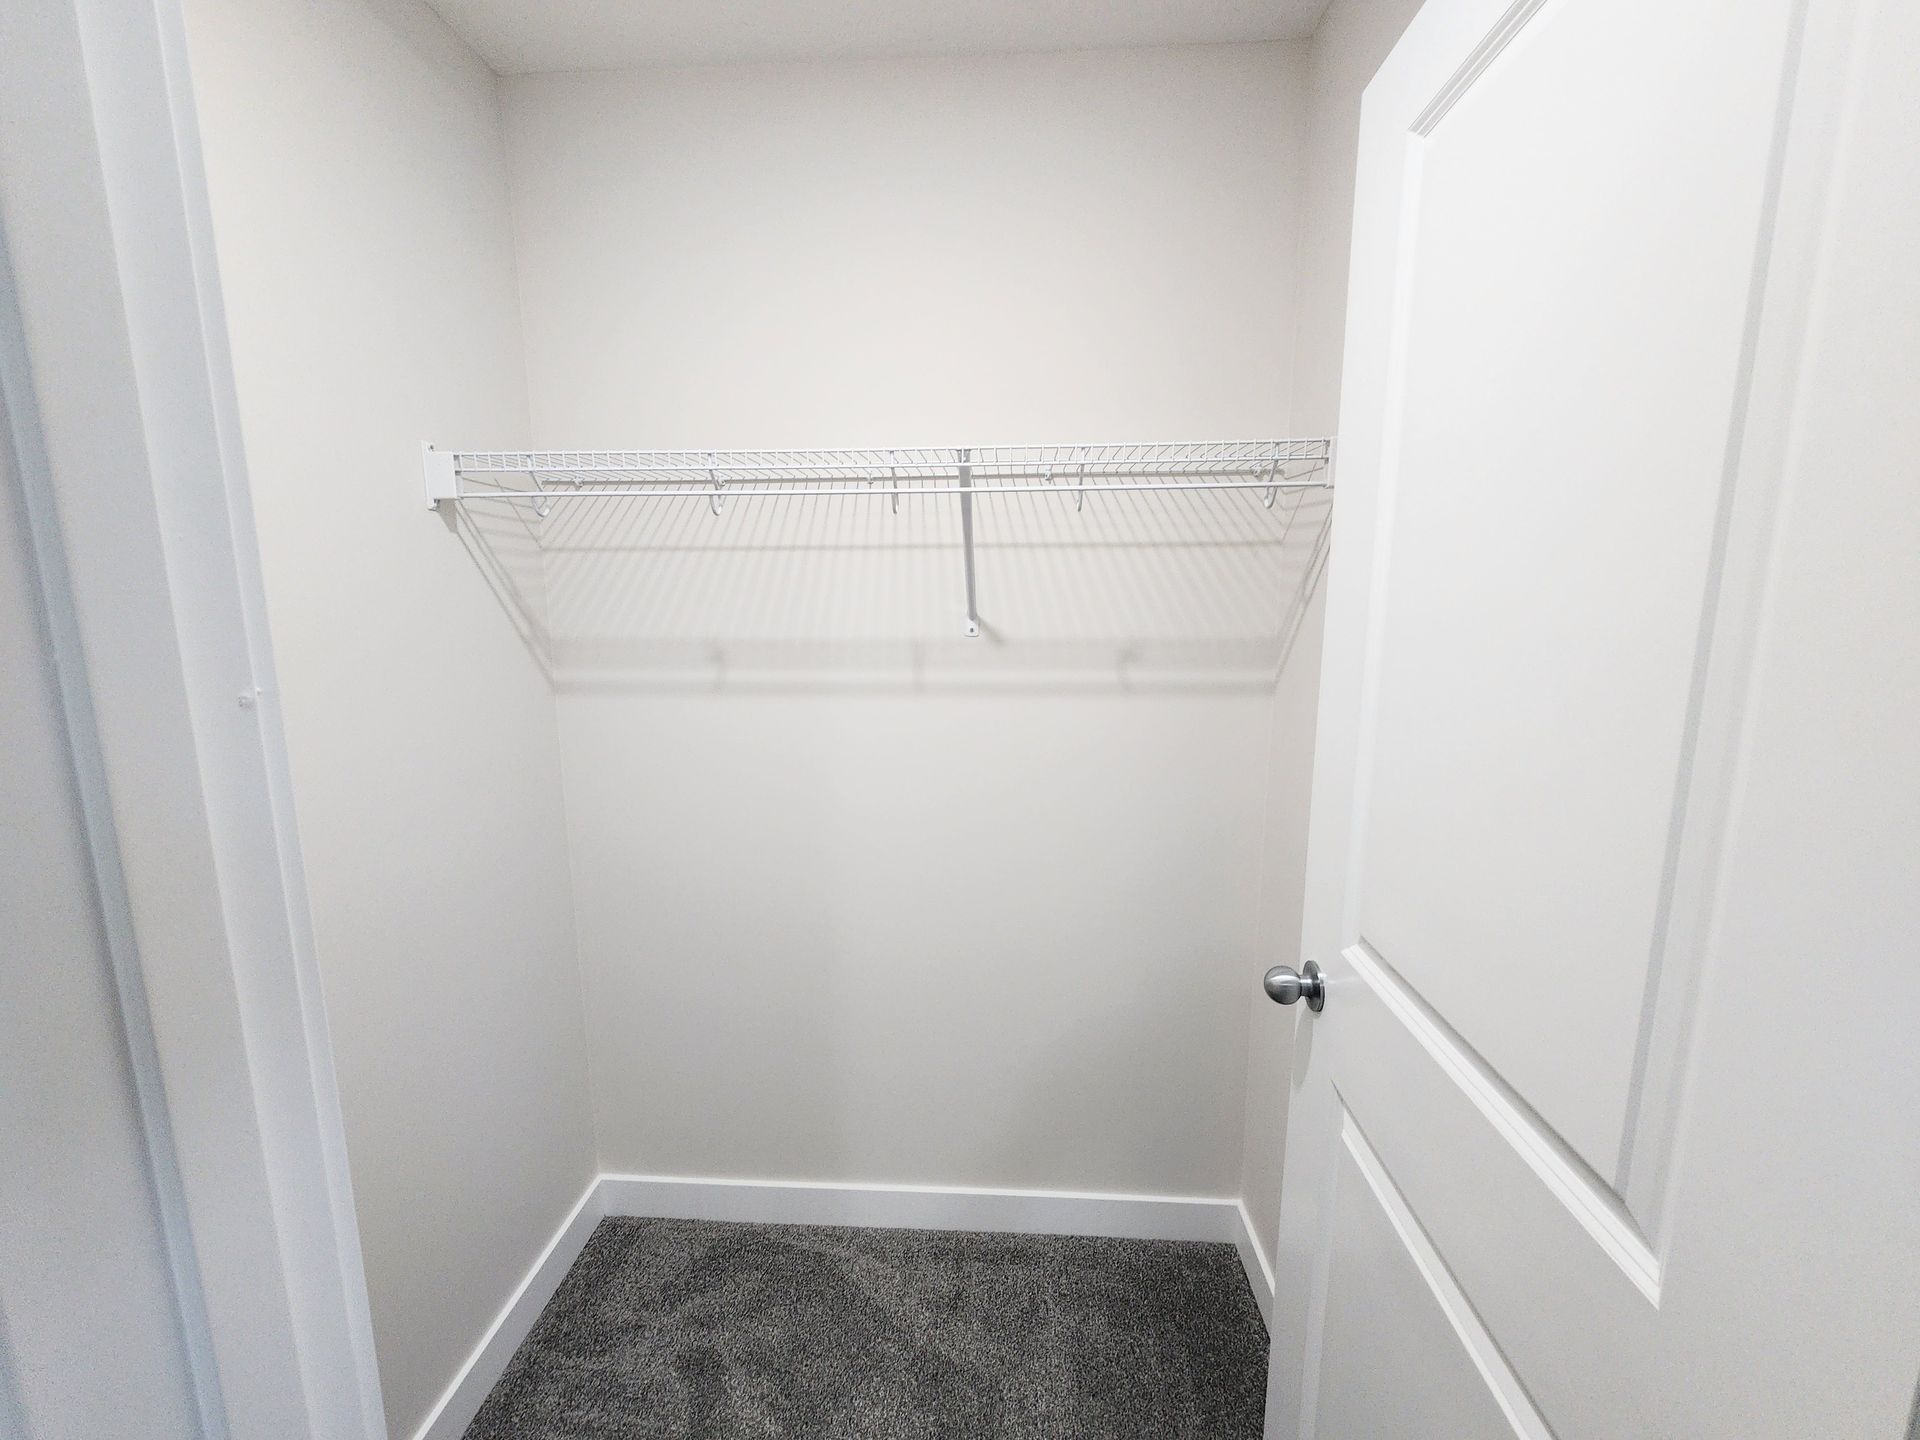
point(22, 452)
point(311, 1161)
point(137, 439)
point(949, 1207)
point(810, 1202)
point(922, 1207)
point(1253, 1259)
point(453, 1412)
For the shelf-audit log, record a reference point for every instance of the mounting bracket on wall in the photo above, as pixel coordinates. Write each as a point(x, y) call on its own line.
point(537, 480)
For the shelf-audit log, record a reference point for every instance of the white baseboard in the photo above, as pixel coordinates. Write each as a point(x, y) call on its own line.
point(944, 1207)
point(1253, 1259)
point(801, 1202)
point(460, 1401)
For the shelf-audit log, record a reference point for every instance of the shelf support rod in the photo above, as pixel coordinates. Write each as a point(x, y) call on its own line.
point(966, 539)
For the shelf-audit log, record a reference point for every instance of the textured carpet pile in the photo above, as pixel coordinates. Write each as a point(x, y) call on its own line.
point(692, 1329)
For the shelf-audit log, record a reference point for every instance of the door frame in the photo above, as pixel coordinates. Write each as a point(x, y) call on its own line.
point(118, 403)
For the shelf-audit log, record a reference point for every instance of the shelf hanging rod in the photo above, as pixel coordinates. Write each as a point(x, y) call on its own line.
point(876, 490)
point(1249, 465)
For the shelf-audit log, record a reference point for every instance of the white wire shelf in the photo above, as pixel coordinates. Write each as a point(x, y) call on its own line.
point(540, 477)
point(534, 481)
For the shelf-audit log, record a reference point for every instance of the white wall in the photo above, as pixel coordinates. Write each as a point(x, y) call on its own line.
point(359, 198)
point(860, 899)
point(1353, 38)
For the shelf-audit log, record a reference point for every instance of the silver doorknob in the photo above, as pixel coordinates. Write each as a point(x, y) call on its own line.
point(1284, 985)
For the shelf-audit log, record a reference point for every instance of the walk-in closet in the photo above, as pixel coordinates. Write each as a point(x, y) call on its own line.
point(956, 720)
point(859, 797)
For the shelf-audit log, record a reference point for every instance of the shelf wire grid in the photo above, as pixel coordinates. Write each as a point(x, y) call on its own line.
point(1184, 555)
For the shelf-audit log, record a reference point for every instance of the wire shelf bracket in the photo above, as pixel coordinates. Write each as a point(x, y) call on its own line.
point(539, 479)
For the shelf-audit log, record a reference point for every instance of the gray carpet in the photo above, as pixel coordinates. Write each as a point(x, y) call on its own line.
point(691, 1329)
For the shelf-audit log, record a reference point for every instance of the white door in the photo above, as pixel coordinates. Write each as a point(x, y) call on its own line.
point(1610, 1126)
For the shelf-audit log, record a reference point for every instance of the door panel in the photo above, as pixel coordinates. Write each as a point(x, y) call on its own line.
point(1606, 1129)
point(1580, 265)
point(1438, 1371)
point(1542, 1253)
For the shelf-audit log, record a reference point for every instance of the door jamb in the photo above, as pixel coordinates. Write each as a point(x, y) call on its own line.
point(121, 400)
